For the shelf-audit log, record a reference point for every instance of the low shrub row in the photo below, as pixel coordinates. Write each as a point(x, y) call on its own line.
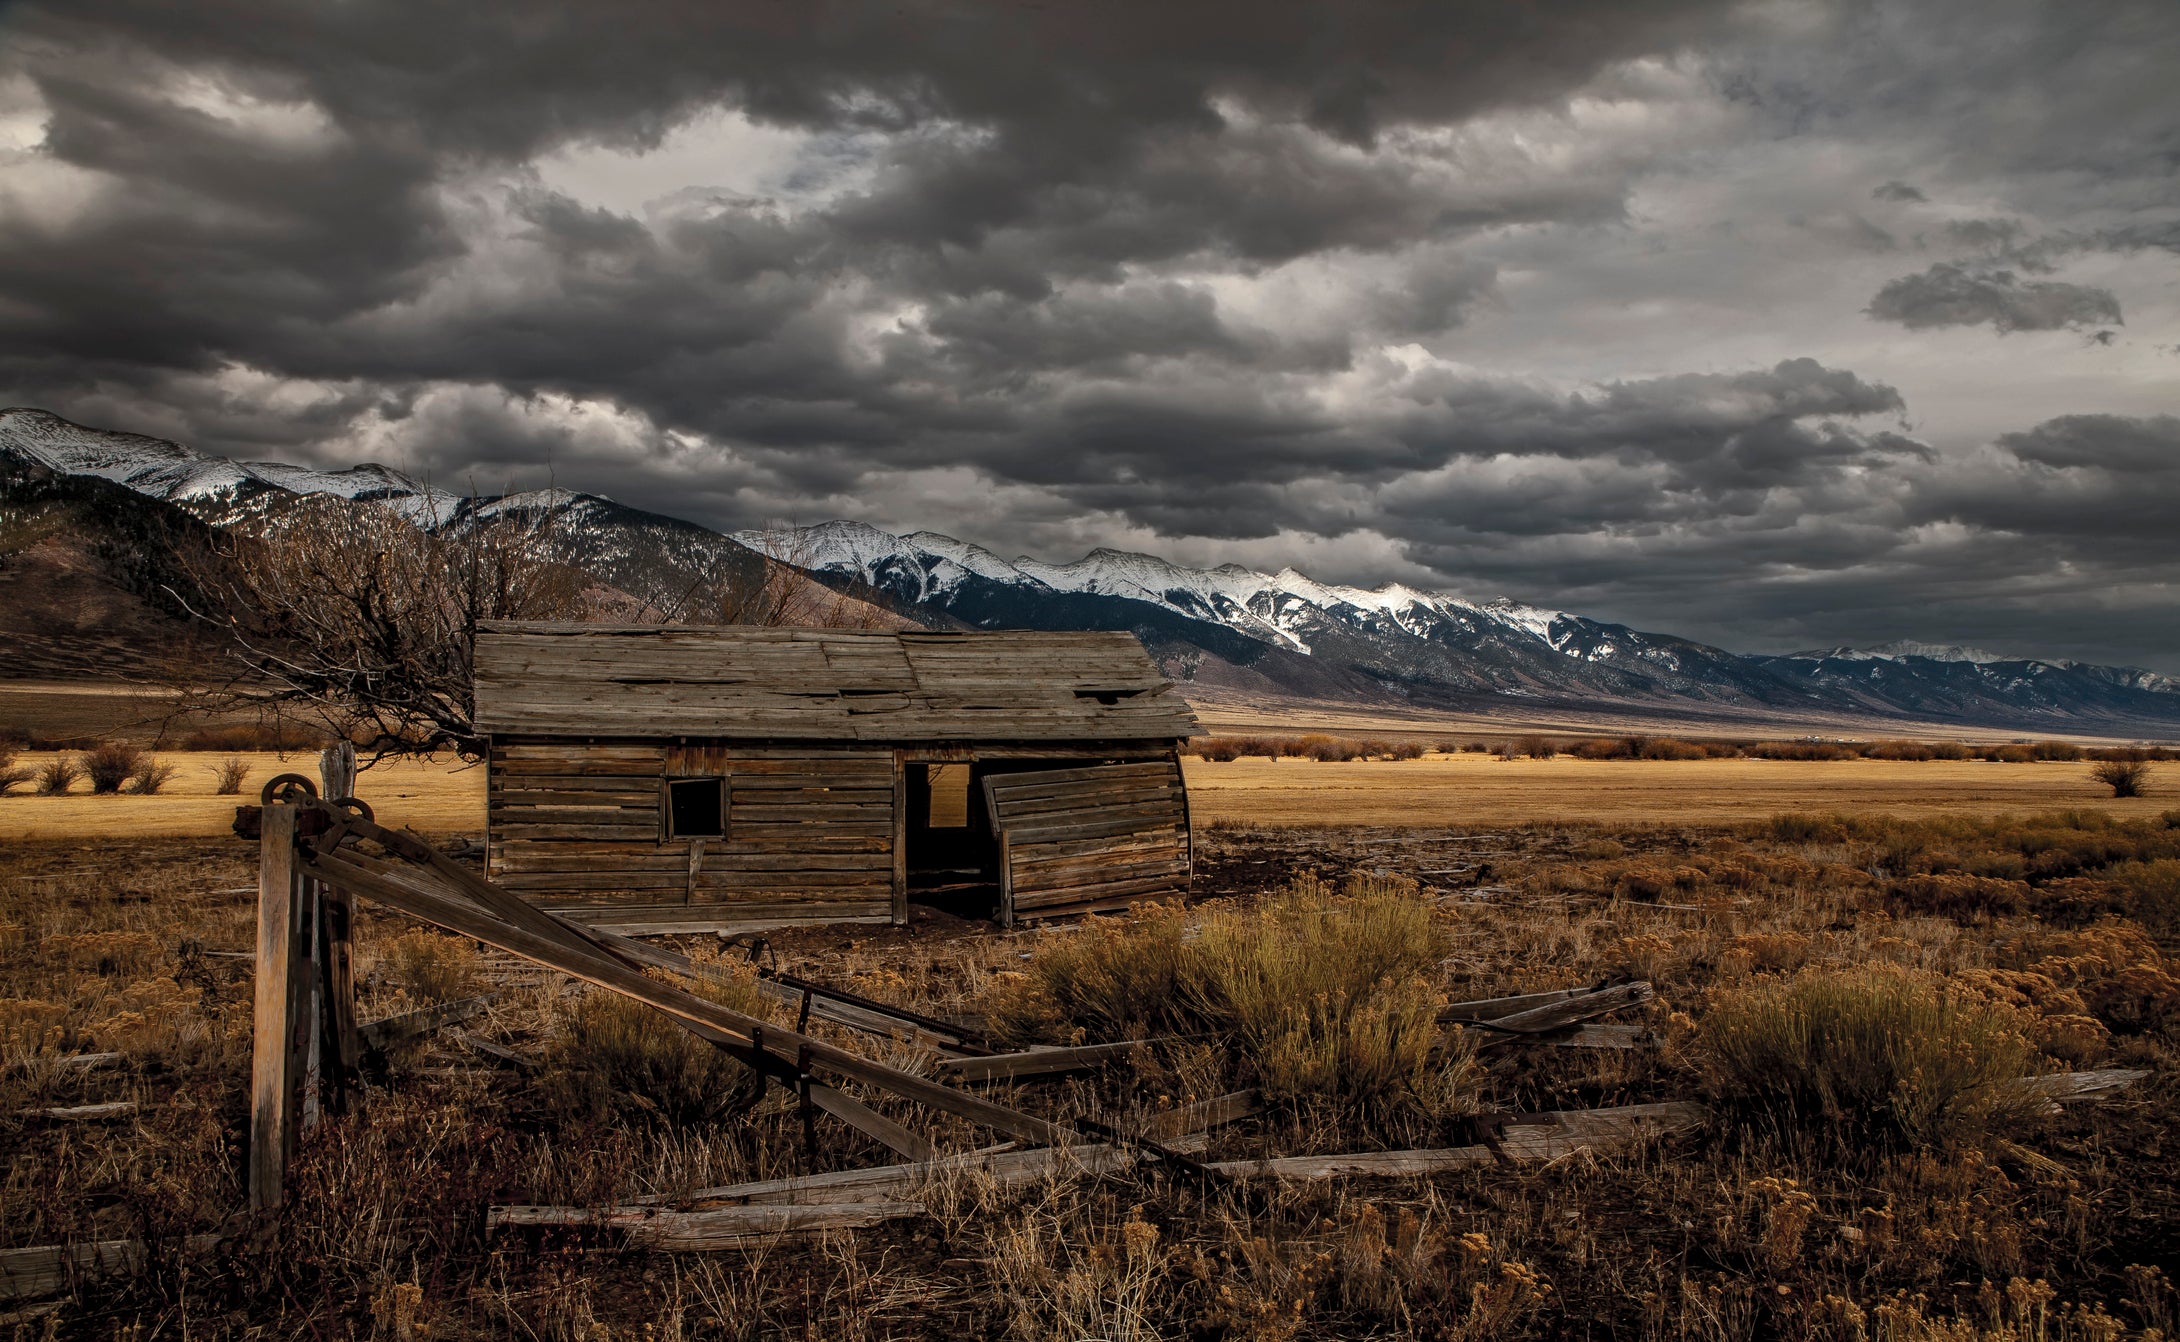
point(1322, 747)
point(110, 767)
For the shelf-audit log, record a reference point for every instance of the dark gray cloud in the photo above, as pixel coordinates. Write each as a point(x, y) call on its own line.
point(1955, 295)
point(1563, 303)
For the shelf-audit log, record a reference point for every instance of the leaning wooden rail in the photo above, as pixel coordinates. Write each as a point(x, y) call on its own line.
point(303, 837)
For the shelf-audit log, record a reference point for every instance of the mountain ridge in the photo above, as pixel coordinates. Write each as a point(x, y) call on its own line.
point(1231, 625)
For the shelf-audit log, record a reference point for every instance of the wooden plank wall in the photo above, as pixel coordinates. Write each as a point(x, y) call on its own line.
point(810, 833)
point(1095, 837)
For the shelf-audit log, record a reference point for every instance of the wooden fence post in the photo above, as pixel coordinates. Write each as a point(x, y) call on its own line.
point(279, 1027)
point(328, 1058)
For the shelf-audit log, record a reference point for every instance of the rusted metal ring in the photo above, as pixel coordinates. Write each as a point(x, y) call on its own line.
point(354, 806)
point(290, 788)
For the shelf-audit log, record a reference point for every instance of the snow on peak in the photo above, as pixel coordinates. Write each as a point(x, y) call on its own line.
point(1937, 652)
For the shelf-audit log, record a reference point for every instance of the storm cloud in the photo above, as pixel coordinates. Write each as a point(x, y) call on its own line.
point(1760, 323)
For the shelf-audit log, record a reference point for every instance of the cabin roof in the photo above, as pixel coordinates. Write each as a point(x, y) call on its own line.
point(745, 682)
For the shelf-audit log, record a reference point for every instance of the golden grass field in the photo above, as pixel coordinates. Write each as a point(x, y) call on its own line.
point(435, 796)
point(443, 797)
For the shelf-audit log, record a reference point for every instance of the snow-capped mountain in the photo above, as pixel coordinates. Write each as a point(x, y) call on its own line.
point(1231, 626)
point(1402, 641)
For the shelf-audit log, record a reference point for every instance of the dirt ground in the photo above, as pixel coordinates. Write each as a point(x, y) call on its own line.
point(444, 797)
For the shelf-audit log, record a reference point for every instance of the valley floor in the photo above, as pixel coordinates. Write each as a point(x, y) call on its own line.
point(445, 797)
point(2056, 1227)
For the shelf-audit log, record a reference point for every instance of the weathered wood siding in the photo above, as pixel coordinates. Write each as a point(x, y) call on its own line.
point(580, 827)
point(1095, 837)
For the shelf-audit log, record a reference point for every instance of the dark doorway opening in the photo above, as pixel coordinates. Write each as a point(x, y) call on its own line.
point(953, 853)
point(953, 856)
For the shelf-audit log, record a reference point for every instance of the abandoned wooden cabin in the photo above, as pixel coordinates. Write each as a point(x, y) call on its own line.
point(684, 778)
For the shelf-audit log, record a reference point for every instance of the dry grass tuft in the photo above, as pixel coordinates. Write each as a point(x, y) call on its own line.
point(1327, 996)
point(617, 1058)
point(1880, 1052)
point(432, 968)
point(110, 764)
point(57, 775)
point(228, 774)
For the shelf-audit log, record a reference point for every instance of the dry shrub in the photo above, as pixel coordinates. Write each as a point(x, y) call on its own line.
point(110, 764)
point(1328, 996)
point(1532, 747)
point(1219, 749)
point(149, 777)
point(614, 1057)
point(1765, 952)
point(2113, 969)
point(2126, 777)
point(433, 968)
point(228, 774)
point(57, 775)
point(30, 1025)
point(1961, 897)
point(10, 772)
point(1876, 1051)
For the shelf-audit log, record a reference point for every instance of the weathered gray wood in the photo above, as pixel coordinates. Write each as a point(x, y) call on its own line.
point(1204, 1115)
point(342, 1039)
point(718, 1228)
point(277, 1018)
point(386, 1032)
point(1566, 1013)
point(869, 1122)
point(1036, 1062)
point(498, 1053)
point(82, 1113)
point(742, 682)
point(1552, 1136)
point(2064, 1087)
point(1362, 1164)
point(411, 893)
point(1491, 1008)
point(50, 1269)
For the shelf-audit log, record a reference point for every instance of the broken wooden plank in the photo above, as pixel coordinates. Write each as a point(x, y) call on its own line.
point(1204, 1115)
point(780, 1048)
point(1036, 1062)
point(1491, 1008)
point(869, 1122)
point(1553, 1135)
point(70, 1063)
point(384, 1033)
point(498, 1053)
point(1553, 1017)
point(716, 1228)
point(1363, 1164)
point(49, 1269)
point(2064, 1087)
point(82, 1113)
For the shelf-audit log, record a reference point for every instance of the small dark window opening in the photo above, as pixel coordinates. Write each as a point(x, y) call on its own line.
point(1107, 697)
point(697, 808)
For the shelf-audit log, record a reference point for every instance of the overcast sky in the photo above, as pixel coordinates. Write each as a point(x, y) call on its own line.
point(1777, 325)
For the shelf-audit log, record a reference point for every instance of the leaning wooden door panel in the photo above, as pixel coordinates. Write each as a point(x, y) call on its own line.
point(1073, 840)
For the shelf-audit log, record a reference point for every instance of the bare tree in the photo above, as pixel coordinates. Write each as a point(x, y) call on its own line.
point(352, 615)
